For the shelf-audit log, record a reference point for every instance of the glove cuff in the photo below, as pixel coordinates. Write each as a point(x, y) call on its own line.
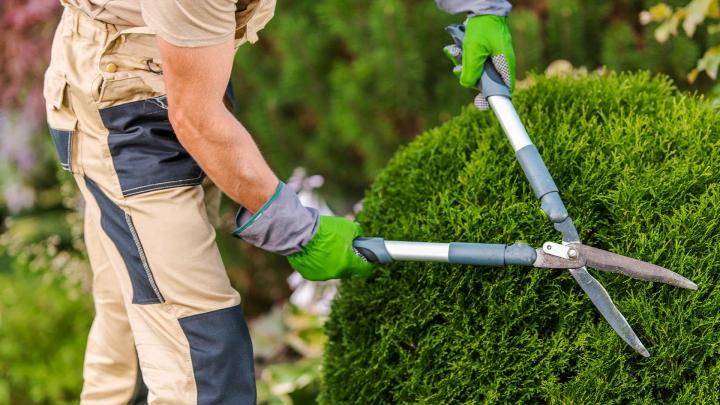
point(476, 7)
point(282, 225)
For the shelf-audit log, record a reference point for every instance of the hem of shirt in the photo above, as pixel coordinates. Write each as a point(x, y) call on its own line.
point(195, 42)
point(184, 43)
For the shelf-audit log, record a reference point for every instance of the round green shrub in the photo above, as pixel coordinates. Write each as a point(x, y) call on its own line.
point(637, 164)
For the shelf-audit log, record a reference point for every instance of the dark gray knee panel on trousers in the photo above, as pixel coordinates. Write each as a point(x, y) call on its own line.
point(222, 357)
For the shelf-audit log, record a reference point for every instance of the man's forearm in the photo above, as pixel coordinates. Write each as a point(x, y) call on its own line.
point(196, 80)
point(228, 155)
point(476, 7)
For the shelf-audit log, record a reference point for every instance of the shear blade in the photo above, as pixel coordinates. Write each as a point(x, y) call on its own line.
point(615, 263)
point(599, 296)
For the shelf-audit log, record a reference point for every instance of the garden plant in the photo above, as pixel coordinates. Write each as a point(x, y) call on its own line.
point(636, 163)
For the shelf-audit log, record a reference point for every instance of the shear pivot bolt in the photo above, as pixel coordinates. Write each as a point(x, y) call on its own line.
point(558, 250)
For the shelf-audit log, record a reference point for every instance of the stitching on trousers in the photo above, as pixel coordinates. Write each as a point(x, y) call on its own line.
point(149, 187)
point(160, 101)
point(69, 162)
point(140, 249)
point(193, 183)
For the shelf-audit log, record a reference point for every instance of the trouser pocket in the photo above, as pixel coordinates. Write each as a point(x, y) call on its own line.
point(146, 154)
point(61, 119)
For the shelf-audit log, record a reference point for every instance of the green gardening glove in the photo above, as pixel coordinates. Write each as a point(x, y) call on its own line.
point(330, 253)
point(486, 36)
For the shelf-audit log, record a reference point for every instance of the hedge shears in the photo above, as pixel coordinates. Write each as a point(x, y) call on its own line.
point(571, 254)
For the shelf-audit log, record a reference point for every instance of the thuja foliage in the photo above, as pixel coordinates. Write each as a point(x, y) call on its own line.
point(637, 164)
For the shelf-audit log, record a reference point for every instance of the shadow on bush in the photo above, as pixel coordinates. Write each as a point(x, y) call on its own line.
point(637, 164)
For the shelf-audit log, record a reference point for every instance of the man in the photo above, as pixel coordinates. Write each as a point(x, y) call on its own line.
point(137, 94)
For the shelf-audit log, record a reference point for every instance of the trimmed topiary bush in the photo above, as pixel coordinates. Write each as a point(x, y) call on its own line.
point(637, 164)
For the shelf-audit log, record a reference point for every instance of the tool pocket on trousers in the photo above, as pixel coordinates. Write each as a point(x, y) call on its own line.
point(146, 154)
point(60, 117)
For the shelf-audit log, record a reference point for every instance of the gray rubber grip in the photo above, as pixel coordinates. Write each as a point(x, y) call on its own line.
point(479, 254)
point(491, 83)
point(535, 170)
point(520, 254)
point(372, 249)
point(554, 207)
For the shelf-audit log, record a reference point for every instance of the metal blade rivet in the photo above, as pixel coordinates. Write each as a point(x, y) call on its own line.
point(572, 253)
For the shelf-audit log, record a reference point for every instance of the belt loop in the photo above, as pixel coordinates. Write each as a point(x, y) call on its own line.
point(106, 34)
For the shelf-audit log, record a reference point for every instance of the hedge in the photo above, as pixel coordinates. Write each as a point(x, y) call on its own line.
point(637, 164)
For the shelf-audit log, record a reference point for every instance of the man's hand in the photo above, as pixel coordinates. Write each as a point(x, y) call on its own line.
point(196, 79)
point(487, 36)
point(330, 253)
point(319, 248)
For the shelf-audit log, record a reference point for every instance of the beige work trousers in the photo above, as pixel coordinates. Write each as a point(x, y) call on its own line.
point(162, 297)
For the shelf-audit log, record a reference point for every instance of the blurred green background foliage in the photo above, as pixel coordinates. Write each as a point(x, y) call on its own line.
point(335, 86)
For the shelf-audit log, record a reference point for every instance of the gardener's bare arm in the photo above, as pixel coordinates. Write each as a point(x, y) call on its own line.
point(196, 79)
